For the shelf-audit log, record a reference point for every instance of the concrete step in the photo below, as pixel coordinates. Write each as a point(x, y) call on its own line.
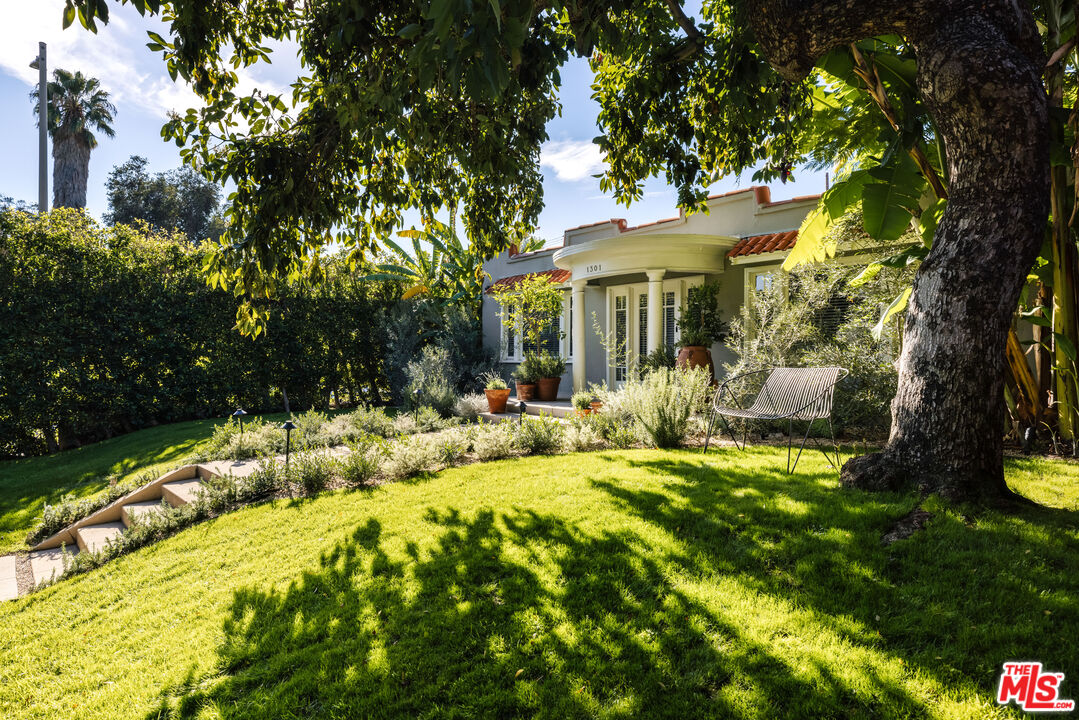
point(181, 492)
point(554, 408)
point(93, 538)
point(44, 564)
point(9, 585)
point(139, 510)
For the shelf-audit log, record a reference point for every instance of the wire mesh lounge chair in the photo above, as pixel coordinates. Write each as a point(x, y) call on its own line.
point(780, 393)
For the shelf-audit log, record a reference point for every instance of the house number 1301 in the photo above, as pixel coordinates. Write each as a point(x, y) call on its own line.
point(592, 268)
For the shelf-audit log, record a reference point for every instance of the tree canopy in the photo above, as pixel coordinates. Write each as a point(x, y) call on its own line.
point(423, 106)
point(179, 199)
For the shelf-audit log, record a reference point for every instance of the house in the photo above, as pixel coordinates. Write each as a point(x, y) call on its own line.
point(628, 284)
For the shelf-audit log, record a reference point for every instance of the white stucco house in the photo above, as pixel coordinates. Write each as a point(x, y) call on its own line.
point(629, 283)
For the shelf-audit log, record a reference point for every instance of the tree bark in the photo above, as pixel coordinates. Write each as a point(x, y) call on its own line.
point(70, 168)
point(979, 73)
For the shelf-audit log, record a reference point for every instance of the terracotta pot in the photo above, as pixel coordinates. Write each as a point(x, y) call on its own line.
point(496, 400)
point(583, 413)
point(696, 356)
point(547, 388)
point(526, 391)
point(596, 405)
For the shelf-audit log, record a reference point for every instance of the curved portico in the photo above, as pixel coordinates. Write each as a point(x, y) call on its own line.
point(657, 256)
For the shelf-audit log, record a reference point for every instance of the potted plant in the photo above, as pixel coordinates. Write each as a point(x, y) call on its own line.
point(497, 392)
point(699, 326)
point(525, 377)
point(582, 403)
point(550, 369)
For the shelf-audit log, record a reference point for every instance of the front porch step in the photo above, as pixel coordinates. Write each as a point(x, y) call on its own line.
point(140, 510)
point(9, 584)
point(181, 492)
point(93, 538)
point(554, 408)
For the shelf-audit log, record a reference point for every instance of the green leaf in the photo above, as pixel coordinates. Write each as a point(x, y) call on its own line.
point(1065, 345)
point(813, 244)
point(69, 15)
point(887, 205)
point(898, 305)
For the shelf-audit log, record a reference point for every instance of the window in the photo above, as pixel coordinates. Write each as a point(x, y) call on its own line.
point(515, 346)
point(642, 326)
point(670, 327)
point(621, 326)
point(550, 342)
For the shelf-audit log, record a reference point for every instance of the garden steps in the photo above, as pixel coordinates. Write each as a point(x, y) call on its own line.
point(94, 538)
point(94, 532)
point(139, 510)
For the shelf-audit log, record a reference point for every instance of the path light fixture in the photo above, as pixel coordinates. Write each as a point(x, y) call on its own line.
point(239, 417)
point(288, 426)
point(523, 410)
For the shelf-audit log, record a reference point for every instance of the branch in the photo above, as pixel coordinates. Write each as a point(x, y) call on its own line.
point(684, 22)
point(794, 34)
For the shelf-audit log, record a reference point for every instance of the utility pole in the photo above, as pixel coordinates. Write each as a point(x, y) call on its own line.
point(39, 64)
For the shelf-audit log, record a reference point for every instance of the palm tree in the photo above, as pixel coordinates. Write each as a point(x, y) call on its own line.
point(77, 105)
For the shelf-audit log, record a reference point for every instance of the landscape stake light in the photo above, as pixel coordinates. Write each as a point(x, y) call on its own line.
point(523, 409)
point(288, 427)
point(239, 415)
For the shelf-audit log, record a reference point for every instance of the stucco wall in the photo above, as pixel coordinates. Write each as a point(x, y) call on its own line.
point(733, 215)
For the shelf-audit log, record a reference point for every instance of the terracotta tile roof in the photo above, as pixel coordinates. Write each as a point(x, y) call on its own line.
point(757, 244)
point(557, 276)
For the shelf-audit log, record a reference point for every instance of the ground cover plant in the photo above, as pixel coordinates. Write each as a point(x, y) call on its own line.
point(625, 583)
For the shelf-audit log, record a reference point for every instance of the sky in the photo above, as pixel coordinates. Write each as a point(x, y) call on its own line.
point(143, 94)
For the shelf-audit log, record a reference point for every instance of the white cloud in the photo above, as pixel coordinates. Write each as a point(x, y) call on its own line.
point(117, 55)
point(572, 160)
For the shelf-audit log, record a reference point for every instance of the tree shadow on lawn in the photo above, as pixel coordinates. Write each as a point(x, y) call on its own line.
point(955, 601)
point(510, 615)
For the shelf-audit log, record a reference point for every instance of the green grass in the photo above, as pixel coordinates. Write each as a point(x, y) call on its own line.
point(27, 485)
point(617, 584)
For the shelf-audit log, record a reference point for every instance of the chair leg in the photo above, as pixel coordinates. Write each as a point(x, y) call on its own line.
point(708, 437)
point(727, 427)
point(809, 427)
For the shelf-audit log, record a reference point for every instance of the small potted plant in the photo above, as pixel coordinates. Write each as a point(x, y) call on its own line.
point(550, 368)
point(699, 326)
point(497, 392)
point(582, 403)
point(525, 378)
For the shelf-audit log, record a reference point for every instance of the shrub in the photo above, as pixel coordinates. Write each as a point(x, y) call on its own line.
point(266, 480)
point(818, 316)
point(530, 369)
point(493, 441)
point(656, 408)
point(428, 420)
point(551, 366)
point(469, 407)
point(663, 356)
point(411, 456)
point(309, 429)
point(431, 382)
point(405, 424)
point(452, 446)
point(373, 421)
point(362, 462)
point(539, 435)
point(581, 400)
point(580, 435)
point(312, 470)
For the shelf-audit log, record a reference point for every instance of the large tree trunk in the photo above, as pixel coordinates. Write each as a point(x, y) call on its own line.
point(70, 168)
point(979, 75)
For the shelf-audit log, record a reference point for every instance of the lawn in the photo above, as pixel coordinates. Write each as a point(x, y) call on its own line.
point(27, 485)
point(616, 584)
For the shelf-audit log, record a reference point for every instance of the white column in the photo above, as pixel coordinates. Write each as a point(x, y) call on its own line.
point(655, 308)
point(578, 335)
